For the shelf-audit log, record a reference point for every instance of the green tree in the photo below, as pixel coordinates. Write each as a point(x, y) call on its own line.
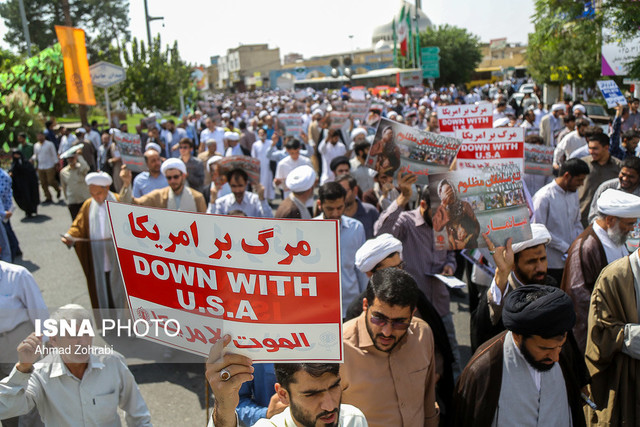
point(459, 52)
point(567, 42)
point(106, 23)
point(154, 77)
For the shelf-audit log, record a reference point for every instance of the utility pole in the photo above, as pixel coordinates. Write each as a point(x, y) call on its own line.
point(25, 25)
point(148, 20)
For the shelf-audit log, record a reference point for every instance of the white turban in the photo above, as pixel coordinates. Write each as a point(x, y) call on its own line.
point(212, 160)
point(358, 131)
point(153, 146)
point(301, 179)
point(373, 251)
point(504, 121)
point(557, 107)
point(263, 114)
point(540, 236)
point(232, 136)
point(173, 163)
point(226, 115)
point(81, 130)
point(579, 108)
point(618, 203)
point(317, 111)
point(102, 179)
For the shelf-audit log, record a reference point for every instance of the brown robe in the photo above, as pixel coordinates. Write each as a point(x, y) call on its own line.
point(586, 259)
point(160, 198)
point(615, 381)
point(80, 229)
point(478, 390)
point(287, 209)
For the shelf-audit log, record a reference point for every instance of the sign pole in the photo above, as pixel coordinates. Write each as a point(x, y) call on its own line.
point(106, 98)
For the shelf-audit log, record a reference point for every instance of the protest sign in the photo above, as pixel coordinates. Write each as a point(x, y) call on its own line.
point(397, 146)
point(538, 159)
point(358, 110)
point(489, 147)
point(292, 124)
point(471, 202)
point(247, 163)
point(358, 94)
point(611, 93)
point(466, 116)
point(633, 239)
point(131, 151)
point(247, 277)
point(338, 119)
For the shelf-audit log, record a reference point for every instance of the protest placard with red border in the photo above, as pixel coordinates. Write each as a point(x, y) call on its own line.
point(467, 116)
point(490, 147)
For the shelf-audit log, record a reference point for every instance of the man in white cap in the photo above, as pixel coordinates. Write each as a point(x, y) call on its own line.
point(151, 179)
point(232, 142)
point(90, 233)
point(601, 243)
point(552, 124)
point(580, 112)
point(213, 134)
point(177, 196)
point(300, 182)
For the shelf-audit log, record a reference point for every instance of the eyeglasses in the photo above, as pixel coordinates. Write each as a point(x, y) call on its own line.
point(172, 177)
point(379, 320)
point(184, 147)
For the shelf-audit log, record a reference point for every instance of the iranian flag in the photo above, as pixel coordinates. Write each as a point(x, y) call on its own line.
point(403, 32)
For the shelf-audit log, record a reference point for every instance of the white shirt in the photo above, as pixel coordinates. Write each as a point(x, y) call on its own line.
point(217, 135)
point(287, 164)
point(94, 137)
point(329, 152)
point(350, 416)
point(20, 297)
point(559, 211)
point(612, 250)
point(251, 205)
point(64, 400)
point(45, 154)
point(234, 151)
point(571, 142)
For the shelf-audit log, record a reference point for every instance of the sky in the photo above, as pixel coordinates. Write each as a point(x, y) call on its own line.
point(204, 28)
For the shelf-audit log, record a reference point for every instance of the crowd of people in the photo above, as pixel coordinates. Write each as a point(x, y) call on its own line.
point(554, 319)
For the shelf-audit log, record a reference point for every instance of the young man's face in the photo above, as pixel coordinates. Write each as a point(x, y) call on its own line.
point(541, 353)
point(294, 153)
point(531, 266)
point(386, 324)
point(333, 209)
point(575, 182)
point(238, 186)
point(628, 178)
point(342, 169)
point(597, 151)
point(314, 401)
point(175, 178)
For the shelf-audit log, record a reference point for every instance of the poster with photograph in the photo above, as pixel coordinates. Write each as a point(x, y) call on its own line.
point(398, 147)
point(469, 203)
point(538, 159)
point(292, 124)
point(131, 151)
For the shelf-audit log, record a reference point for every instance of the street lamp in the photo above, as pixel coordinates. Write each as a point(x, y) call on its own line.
point(148, 19)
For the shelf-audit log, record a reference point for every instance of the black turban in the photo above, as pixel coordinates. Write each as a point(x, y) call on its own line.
point(538, 310)
point(337, 161)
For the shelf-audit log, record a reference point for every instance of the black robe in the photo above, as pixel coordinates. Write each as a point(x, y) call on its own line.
point(478, 390)
point(24, 183)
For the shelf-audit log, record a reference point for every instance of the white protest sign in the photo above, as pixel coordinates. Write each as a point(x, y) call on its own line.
point(611, 93)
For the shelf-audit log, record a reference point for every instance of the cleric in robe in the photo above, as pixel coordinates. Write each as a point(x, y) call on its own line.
point(90, 234)
point(601, 243)
point(523, 377)
point(613, 343)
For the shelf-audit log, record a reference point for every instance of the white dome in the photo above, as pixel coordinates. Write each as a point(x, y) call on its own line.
point(385, 32)
point(383, 46)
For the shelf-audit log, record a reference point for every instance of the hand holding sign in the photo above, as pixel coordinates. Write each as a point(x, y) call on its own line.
point(504, 258)
point(226, 372)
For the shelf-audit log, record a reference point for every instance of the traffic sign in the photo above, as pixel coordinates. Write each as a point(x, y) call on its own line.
point(426, 57)
point(430, 66)
point(104, 74)
point(433, 50)
point(430, 74)
point(631, 81)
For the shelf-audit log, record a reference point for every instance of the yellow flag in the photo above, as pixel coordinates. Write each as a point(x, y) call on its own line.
point(76, 65)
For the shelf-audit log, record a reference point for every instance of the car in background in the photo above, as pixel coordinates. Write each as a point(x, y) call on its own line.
point(527, 88)
point(598, 114)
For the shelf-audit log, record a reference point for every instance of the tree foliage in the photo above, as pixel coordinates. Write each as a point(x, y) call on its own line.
point(154, 76)
point(567, 42)
point(459, 52)
point(106, 23)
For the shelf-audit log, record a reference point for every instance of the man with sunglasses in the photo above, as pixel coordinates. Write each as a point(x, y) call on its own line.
point(389, 370)
point(176, 196)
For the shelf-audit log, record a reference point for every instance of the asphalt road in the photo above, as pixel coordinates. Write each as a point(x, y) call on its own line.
point(174, 392)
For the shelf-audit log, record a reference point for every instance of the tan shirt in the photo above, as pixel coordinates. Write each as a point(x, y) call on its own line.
point(160, 198)
point(395, 388)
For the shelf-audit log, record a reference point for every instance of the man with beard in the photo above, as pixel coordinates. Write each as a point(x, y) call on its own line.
point(628, 180)
point(513, 379)
point(389, 363)
point(312, 391)
point(517, 265)
point(598, 245)
point(454, 215)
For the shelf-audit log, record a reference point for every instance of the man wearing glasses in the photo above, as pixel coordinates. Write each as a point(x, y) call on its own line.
point(389, 364)
point(176, 196)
